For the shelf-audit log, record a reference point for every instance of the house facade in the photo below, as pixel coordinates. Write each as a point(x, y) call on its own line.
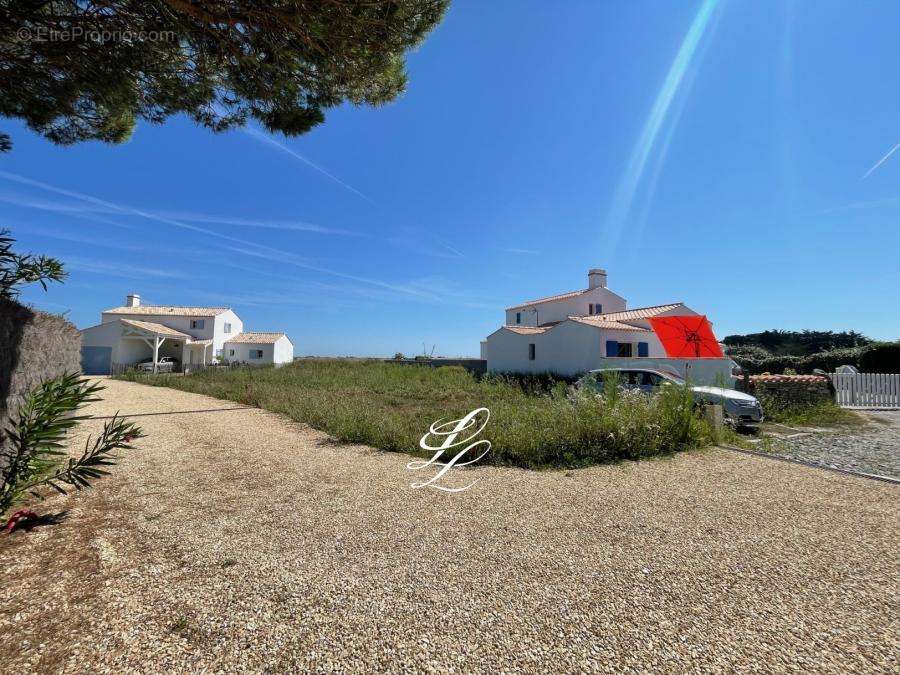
point(189, 336)
point(572, 333)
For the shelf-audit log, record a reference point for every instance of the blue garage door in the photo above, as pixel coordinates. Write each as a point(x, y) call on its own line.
point(96, 360)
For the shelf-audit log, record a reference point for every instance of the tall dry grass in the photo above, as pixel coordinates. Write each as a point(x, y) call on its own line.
point(389, 406)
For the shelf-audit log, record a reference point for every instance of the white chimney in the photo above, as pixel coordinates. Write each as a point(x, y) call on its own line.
point(596, 278)
point(133, 300)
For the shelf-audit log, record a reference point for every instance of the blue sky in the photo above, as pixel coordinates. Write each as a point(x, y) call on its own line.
point(725, 154)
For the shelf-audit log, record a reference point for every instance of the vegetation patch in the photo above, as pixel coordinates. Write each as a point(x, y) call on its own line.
point(822, 414)
point(783, 351)
point(535, 423)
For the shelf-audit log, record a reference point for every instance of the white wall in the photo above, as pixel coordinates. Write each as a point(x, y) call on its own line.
point(124, 350)
point(284, 350)
point(180, 323)
point(567, 349)
point(559, 310)
point(220, 336)
point(242, 353)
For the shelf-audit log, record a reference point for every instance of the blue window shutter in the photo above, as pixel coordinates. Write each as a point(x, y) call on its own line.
point(643, 349)
point(612, 348)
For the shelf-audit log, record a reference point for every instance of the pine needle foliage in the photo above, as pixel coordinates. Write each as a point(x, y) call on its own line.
point(18, 268)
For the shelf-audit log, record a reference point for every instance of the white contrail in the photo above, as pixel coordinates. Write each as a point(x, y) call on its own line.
point(291, 225)
point(881, 161)
point(265, 138)
point(634, 171)
point(257, 250)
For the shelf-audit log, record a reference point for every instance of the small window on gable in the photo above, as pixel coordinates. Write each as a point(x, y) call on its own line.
point(518, 317)
point(598, 309)
point(198, 323)
point(531, 352)
point(227, 328)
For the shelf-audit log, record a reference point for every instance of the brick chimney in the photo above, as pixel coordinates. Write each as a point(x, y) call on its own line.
point(133, 300)
point(596, 278)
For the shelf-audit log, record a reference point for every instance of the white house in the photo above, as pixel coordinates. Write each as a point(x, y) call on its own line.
point(572, 333)
point(189, 335)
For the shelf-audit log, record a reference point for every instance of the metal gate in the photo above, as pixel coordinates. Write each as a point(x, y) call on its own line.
point(96, 360)
point(867, 390)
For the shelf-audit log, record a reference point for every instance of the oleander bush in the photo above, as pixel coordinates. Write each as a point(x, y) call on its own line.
point(534, 422)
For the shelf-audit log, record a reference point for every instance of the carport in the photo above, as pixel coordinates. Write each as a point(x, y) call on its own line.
point(154, 335)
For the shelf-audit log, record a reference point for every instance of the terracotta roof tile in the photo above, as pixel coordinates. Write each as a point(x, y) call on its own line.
point(639, 312)
point(528, 330)
point(561, 296)
point(788, 378)
point(155, 328)
point(167, 310)
point(599, 321)
point(256, 338)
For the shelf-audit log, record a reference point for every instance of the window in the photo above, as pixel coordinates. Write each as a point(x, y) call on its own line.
point(595, 308)
point(614, 348)
point(518, 317)
point(256, 353)
point(227, 328)
point(643, 349)
point(198, 323)
point(230, 352)
point(531, 352)
point(652, 380)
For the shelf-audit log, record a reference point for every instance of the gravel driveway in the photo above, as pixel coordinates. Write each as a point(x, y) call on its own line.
point(873, 449)
point(236, 540)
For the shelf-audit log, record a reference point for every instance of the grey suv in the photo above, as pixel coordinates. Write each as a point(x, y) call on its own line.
point(740, 409)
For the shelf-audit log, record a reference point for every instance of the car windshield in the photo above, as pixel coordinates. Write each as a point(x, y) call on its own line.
point(677, 379)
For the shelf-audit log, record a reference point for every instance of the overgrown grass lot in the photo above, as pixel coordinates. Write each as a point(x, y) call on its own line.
point(535, 423)
point(824, 414)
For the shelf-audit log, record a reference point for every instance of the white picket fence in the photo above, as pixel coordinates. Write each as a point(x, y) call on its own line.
point(866, 390)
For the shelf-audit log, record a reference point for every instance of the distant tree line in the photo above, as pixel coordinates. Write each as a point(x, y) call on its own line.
point(799, 343)
point(778, 351)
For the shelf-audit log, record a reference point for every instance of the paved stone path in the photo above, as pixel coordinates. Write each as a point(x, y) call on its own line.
point(874, 448)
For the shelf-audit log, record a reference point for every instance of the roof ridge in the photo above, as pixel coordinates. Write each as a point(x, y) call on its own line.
point(636, 309)
point(175, 306)
point(558, 296)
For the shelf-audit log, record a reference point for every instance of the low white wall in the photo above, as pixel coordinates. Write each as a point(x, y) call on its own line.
point(284, 350)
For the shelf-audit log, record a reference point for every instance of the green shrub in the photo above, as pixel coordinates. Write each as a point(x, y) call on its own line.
point(535, 421)
point(882, 357)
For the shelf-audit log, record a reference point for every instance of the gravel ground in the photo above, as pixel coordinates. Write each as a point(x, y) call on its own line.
point(874, 448)
point(236, 540)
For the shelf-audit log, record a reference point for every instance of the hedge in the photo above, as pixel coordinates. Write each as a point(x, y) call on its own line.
point(34, 346)
point(881, 357)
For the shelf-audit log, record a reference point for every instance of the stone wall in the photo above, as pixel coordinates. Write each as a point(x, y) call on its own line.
point(784, 391)
point(34, 346)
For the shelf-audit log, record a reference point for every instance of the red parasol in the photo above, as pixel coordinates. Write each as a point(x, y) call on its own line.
point(686, 337)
